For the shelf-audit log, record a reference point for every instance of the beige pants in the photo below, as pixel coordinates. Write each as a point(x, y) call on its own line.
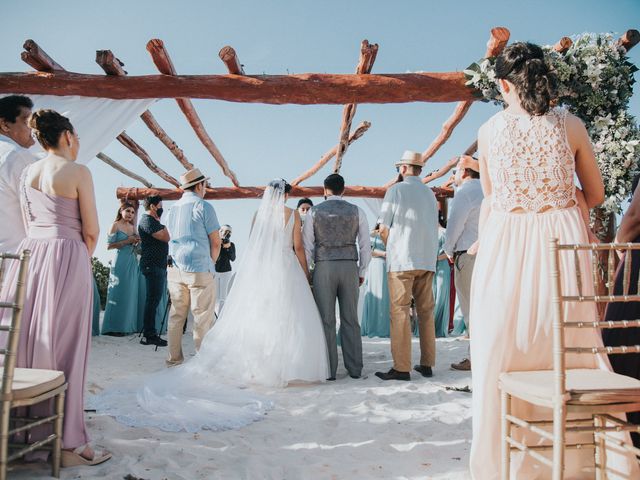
point(463, 271)
point(189, 290)
point(402, 285)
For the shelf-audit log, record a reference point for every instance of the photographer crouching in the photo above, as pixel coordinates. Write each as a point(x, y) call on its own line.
point(223, 266)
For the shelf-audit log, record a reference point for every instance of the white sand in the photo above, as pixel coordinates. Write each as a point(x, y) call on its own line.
point(348, 429)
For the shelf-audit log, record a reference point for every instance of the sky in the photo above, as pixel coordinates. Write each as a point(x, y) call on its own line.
point(261, 142)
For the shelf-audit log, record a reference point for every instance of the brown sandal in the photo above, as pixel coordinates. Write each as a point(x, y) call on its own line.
point(74, 458)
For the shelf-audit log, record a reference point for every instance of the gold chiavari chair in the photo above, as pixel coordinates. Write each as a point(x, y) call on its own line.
point(24, 387)
point(596, 399)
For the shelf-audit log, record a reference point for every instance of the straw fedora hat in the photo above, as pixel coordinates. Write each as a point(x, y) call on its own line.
point(410, 158)
point(191, 178)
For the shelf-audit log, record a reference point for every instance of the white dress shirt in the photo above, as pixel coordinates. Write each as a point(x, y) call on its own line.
point(364, 246)
point(13, 160)
point(464, 214)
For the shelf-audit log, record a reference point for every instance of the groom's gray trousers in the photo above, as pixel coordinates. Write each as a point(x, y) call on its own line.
point(338, 279)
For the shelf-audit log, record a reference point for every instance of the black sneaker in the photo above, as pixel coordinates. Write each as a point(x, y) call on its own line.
point(154, 340)
point(423, 370)
point(394, 375)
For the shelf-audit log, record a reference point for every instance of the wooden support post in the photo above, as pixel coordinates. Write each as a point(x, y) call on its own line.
point(113, 66)
point(128, 142)
point(38, 58)
point(163, 62)
point(112, 163)
point(630, 39)
point(362, 128)
point(230, 58)
point(368, 55)
point(496, 43)
point(234, 193)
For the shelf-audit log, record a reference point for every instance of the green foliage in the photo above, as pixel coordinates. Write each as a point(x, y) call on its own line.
point(101, 275)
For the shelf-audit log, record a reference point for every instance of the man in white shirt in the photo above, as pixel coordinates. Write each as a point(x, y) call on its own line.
point(409, 228)
point(15, 138)
point(462, 232)
point(336, 237)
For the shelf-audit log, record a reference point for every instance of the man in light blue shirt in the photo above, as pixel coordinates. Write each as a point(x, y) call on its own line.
point(462, 232)
point(409, 227)
point(194, 248)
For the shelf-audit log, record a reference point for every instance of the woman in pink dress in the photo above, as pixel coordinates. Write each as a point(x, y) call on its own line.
point(58, 204)
point(529, 154)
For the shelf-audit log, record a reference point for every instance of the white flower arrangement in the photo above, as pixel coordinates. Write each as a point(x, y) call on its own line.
point(595, 80)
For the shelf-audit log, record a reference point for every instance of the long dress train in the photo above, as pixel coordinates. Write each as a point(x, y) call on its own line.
point(269, 334)
point(532, 170)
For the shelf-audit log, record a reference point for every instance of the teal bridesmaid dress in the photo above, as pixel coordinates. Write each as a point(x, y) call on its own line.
point(441, 283)
point(123, 314)
point(459, 328)
point(375, 312)
point(95, 324)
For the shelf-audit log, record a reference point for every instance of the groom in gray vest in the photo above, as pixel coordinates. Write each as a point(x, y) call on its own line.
point(336, 235)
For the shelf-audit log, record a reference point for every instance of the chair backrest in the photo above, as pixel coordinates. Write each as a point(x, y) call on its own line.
point(13, 299)
point(587, 287)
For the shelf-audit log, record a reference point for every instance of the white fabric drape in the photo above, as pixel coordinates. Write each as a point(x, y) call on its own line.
point(98, 121)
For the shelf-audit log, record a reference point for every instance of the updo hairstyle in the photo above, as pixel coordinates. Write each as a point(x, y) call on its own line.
point(523, 65)
point(48, 126)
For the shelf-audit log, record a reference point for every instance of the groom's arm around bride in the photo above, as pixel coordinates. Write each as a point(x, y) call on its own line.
point(336, 238)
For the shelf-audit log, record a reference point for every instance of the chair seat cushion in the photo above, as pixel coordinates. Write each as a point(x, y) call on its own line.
point(584, 386)
point(31, 382)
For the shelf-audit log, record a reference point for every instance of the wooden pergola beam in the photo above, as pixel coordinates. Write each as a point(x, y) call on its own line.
point(234, 193)
point(113, 66)
point(368, 55)
point(38, 58)
point(471, 149)
point(112, 163)
point(630, 39)
point(230, 58)
point(303, 89)
point(563, 45)
point(163, 63)
point(497, 41)
point(140, 152)
point(362, 128)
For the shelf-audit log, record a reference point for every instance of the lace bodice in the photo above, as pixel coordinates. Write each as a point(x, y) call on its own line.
point(530, 162)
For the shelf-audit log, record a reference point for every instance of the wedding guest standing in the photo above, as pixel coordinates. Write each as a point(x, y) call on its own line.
point(304, 205)
point(336, 238)
point(195, 246)
point(627, 364)
point(462, 232)
point(223, 267)
point(123, 310)
point(521, 150)
point(58, 203)
point(375, 311)
point(441, 282)
point(409, 228)
point(154, 242)
point(15, 138)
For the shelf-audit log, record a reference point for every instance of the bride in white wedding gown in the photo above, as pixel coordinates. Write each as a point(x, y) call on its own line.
point(269, 333)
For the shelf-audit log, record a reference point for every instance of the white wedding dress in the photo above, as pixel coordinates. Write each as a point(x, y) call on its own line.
point(269, 333)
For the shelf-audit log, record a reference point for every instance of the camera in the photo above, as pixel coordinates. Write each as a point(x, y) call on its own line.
point(226, 237)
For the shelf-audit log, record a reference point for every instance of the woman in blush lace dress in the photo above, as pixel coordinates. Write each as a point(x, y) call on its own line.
point(529, 154)
point(58, 204)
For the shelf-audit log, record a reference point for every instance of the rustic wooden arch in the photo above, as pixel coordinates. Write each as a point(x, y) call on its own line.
point(304, 89)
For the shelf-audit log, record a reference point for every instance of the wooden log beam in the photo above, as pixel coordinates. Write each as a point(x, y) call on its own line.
point(113, 66)
point(362, 128)
point(234, 193)
point(140, 152)
point(368, 55)
point(112, 163)
point(629, 40)
point(230, 58)
point(161, 59)
point(497, 41)
point(38, 58)
point(563, 45)
point(471, 149)
point(303, 89)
